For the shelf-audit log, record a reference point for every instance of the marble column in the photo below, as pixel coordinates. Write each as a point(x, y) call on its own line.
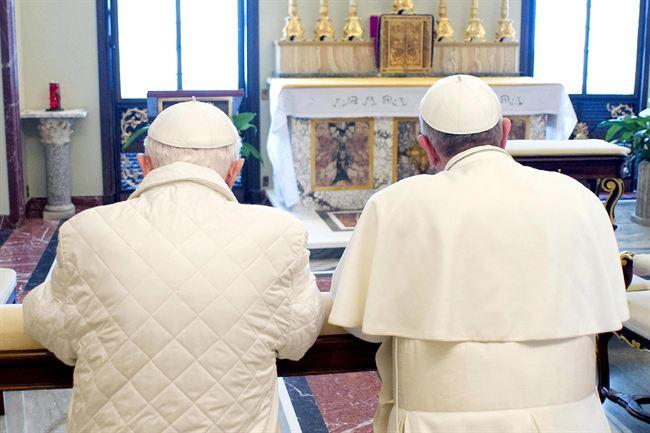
point(55, 129)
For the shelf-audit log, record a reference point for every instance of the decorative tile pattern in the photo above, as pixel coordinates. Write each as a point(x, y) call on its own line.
point(131, 172)
point(411, 159)
point(340, 220)
point(311, 197)
point(342, 154)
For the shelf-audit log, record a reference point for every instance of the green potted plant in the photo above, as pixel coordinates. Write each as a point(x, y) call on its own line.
point(634, 132)
point(243, 122)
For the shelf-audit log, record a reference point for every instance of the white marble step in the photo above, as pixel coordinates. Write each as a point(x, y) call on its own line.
point(7, 284)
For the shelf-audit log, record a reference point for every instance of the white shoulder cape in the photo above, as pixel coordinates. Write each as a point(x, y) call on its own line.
point(487, 251)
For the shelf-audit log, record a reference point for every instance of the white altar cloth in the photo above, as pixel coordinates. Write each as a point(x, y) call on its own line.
point(391, 97)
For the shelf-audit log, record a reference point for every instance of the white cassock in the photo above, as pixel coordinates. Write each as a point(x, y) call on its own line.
point(492, 279)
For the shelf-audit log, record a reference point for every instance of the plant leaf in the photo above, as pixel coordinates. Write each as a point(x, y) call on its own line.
point(134, 136)
point(248, 150)
point(612, 131)
point(242, 120)
point(626, 136)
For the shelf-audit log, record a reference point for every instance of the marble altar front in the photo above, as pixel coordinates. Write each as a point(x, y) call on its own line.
point(333, 142)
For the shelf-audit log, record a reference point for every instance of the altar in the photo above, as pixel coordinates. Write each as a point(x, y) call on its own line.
point(376, 119)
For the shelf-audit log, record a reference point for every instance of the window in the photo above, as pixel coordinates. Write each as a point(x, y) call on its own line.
point(177, 44)
point(588, 45)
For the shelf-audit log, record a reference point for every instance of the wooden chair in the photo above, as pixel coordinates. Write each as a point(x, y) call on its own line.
point(636, 333)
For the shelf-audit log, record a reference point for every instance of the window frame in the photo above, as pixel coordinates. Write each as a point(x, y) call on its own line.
point(640, 95)
point(110, 93)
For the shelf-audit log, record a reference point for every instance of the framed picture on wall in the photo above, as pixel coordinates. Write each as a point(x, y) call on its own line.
point(228, 101)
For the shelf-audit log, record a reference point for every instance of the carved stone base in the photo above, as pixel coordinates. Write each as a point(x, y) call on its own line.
point(58, 212)
point(328, 58)
point(498, 58)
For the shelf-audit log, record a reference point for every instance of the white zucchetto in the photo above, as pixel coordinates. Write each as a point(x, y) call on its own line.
point(460, 104)
point(193, 124)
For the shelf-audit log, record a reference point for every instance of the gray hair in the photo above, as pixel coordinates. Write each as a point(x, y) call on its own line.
point(219, 159)
point(449, 145)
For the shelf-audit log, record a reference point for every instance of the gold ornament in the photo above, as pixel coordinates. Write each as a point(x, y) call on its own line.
point(293, 28)
point(403, 6)
point(444, 30)
point(324, 28)
point(581, 131)
point(475, 31)
point(506, 29)
point(352, 29)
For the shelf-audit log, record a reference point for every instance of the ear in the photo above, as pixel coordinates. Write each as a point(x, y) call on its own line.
point(506, 124)
point(425, 144)
point(145, 163)
point(233, 172)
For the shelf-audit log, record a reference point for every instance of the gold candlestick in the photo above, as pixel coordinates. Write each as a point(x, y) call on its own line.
point(444, 30)
point(475, 31)
point(324, 28)
point(293, 28)
point(403, 6)
point(505, 28)
point(352, 29)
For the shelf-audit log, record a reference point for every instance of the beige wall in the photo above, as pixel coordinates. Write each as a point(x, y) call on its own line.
point(272, 13)
point(57, 41)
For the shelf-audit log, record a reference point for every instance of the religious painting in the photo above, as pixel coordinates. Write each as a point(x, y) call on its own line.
point(409, 159)
point(520, 128)
point(227, 101)
point(342, 151)
point(340, 220)
point(222, 102)
point(406, 44)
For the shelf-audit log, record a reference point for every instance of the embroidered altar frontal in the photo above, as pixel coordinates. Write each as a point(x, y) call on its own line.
point(341, 162)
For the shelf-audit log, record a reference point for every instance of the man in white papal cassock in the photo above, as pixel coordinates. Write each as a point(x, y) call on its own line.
point(486, 283)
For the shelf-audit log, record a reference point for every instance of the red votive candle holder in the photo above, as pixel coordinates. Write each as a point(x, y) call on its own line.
point(55, 97)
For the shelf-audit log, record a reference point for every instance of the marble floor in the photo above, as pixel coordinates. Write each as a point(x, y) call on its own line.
point(342, 403)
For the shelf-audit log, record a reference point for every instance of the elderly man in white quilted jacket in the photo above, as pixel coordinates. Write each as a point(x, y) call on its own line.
point(174, 305)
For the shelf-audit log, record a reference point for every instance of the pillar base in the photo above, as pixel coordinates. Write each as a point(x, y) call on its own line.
point(58, 212)
point(640, 220)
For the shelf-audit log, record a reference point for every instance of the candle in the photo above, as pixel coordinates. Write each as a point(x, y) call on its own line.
point(55, 97)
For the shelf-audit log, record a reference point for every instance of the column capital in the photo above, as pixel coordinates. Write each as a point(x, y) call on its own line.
point(55, 131)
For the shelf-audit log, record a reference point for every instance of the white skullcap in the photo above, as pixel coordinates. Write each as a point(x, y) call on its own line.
point(193, 124)
point(460, 104)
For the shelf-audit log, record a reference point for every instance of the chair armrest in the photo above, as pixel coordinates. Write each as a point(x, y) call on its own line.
point(642, 264)
point(12, 335)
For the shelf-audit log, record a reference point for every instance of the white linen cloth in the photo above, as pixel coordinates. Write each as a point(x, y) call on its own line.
point(350, 101)
point(174, 306)
point(487, 251)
